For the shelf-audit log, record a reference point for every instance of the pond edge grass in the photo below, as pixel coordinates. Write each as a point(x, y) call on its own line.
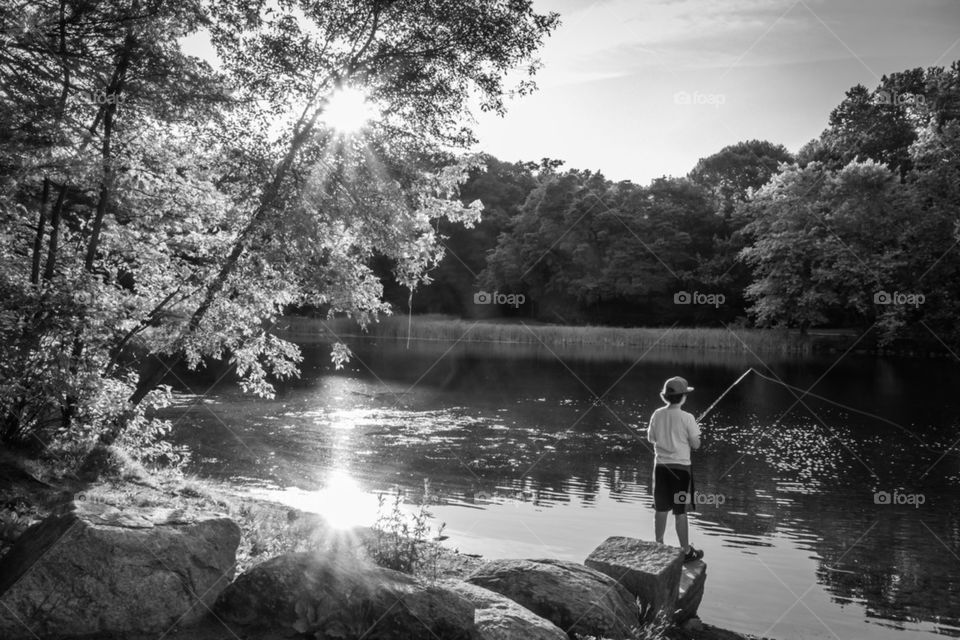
point(434, 328)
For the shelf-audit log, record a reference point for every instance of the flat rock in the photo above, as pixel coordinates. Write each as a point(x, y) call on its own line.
point(500, 618)
point(574, 597)
point(649, 570)
point(111, 571)
point(337, 595)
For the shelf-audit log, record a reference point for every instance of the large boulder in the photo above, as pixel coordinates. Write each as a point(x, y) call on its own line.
point(574, 597)
point(500, 618)
point(649, 570)
point(98, 569)
point(337, 595)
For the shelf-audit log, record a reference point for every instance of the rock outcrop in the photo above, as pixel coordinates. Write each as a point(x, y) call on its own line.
point(649, 570)
point(341, 596)
point(574, 597)
point(98, 569)
point(654, 573)
point(500, 618)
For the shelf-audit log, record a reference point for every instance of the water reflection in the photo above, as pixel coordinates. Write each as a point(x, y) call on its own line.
point(341, 500)
point(529, 456)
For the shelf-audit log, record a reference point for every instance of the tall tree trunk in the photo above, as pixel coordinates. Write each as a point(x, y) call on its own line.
point(104, 197)
point(64, 62)
point(113, 92)
point(38, 237)
point(61, 110)
point(55, 217)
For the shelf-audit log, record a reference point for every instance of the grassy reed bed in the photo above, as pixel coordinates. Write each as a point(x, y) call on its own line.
point(449, 329)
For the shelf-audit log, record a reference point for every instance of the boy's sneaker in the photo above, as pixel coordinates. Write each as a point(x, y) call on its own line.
point(693, 554)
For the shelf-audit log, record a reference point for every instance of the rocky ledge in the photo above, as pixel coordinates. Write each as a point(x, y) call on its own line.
point(101, 572)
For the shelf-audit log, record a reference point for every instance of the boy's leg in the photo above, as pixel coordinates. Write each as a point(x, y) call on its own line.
point(683, 527)
point(660, 524)
point(683, 532)
point(662, 500)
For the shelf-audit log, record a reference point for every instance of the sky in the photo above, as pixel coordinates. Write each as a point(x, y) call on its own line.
point(639, 89)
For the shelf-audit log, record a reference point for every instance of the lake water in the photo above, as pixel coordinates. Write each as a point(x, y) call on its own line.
point(818, 521)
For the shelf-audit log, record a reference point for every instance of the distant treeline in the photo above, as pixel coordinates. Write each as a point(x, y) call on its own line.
point(859, 229)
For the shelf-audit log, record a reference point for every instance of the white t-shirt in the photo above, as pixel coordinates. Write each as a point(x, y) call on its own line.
point(670, 430)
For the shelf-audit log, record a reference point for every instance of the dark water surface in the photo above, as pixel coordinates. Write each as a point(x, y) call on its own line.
point(528, 452)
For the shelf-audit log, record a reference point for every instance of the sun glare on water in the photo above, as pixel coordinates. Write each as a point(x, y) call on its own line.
point(348, 110)
point(344, 504)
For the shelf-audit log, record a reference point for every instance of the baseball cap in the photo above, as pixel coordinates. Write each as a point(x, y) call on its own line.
point(676, 385)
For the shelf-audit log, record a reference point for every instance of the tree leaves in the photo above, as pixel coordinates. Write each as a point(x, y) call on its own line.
point(185, 208)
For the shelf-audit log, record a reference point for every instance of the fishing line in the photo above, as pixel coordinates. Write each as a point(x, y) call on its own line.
point(805, 392)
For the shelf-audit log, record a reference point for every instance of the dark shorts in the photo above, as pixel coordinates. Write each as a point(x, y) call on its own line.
point(672, 489)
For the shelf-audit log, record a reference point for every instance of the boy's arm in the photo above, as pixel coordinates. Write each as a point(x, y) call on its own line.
point(693, 433)
point(650, 431)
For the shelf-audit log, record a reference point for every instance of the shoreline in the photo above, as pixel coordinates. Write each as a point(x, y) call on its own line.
point(439, 329)
point(268, 528)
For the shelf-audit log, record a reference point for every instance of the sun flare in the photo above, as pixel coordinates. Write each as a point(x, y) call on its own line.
point(343, 503)
point(348, 110)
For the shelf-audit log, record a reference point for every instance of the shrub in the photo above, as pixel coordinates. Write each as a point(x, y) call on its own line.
point(400, 541)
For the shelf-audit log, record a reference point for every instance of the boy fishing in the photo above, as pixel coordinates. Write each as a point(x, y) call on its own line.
point(674, 433)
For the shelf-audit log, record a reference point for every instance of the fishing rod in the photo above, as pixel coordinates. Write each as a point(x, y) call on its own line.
point(726, 391)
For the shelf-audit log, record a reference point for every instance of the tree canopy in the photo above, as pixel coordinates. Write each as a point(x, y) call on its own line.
point(158, 210)
point(867, 208)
